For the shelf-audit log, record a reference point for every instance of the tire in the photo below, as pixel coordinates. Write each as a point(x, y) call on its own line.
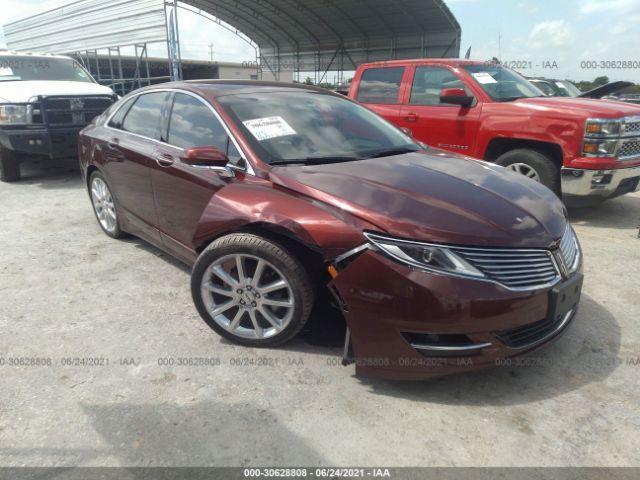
point(102, 200)
point(525, 160)
point(243, 307)
point(9, 166)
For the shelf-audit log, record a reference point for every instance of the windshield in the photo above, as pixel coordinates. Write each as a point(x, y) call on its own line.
point(27, 67)
point(502, 84)
point(568, 89)
point(545, 87)
point(304, 127)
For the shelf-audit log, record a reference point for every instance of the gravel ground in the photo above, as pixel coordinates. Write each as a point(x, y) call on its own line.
point(69, 291)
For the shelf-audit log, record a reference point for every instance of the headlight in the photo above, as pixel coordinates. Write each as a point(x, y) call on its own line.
point(13, 114)
point(430, 257)
point(600, 147)
point(602, 128)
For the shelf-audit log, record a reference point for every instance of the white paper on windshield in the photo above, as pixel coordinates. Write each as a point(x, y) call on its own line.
point(6, 71)
point(561, 85)
point(269, 127)
point(484, 77)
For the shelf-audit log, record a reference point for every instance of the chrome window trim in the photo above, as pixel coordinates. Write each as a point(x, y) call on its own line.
point(249, 168)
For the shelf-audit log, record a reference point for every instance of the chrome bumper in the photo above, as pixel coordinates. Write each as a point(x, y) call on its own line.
point(600, 184)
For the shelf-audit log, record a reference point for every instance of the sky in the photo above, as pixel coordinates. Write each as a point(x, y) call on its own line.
point(550, 38)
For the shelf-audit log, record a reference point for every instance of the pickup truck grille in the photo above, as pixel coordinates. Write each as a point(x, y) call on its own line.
point(632, 127)
point(514, 268)
point(73, 111)
point(629, 149)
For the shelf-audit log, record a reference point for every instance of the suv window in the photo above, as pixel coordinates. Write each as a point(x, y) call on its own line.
point(193, 124)
point(143, 117)
point(427, 83)
point(380, 85)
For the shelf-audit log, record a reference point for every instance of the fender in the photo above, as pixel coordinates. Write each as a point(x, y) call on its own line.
point(318, 225)
point(500, 121)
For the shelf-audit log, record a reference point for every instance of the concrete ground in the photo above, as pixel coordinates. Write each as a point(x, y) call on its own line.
point(69, 291)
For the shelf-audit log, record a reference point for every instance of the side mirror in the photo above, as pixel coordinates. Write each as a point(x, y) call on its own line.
point(209, 157)
point(456, 96)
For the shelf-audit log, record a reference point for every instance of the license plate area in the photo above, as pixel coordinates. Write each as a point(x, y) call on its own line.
point(565, 297)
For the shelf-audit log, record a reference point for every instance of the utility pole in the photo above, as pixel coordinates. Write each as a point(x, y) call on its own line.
point(211, 51)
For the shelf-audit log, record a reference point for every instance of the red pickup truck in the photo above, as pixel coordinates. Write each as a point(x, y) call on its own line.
point(584, 150)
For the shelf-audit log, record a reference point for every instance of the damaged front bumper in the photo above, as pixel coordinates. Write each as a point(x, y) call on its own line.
point(406, 323)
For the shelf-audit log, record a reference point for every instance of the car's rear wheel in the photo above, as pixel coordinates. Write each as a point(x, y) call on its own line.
point(104, 205)
point(251, 290)
point(9, 166)
point(532, 164)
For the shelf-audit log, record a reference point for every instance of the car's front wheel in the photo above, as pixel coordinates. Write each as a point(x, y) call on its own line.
point(104, 205)
point(251, 290)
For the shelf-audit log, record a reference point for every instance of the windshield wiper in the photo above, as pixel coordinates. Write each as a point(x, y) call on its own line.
point(315, 160)
point(391, 152)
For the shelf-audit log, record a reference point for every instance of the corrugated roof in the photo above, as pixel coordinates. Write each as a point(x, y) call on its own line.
point(308, 33)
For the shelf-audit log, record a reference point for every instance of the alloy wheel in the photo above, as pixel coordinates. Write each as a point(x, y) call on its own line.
point(247, 296)
point(103, 205)
point(526, 170)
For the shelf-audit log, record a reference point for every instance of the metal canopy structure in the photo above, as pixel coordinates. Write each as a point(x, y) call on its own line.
point(323, 35)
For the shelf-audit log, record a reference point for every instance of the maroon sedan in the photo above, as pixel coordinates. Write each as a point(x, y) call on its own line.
point(275, 193)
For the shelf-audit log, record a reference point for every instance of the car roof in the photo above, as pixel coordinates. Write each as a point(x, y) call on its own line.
point(454, 62)
point(219, 88)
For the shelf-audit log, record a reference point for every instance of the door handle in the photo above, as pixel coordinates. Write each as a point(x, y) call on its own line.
point(411, 117)
point(164, 160)
point(113, 143)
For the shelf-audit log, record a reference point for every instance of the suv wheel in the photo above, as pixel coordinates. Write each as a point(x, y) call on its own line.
point(251, 291)
point(104, 205)
point(9, 166)
point(534, 165)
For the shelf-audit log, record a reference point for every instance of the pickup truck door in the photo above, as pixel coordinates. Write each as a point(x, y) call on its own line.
point(446, 126)
point(379, 89)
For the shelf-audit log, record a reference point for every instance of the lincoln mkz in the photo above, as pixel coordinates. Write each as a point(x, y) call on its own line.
point(277, 194)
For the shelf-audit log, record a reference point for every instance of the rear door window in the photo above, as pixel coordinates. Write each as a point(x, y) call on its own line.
point(380, 85)
point(143, 118)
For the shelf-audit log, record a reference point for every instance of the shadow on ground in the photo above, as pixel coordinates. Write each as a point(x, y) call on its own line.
point(622, 212)
point(202, 434)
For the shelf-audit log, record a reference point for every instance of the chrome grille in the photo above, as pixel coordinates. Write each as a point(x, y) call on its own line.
point(514, 268)
point(629, 149)
point(569, 250)
point(633, 127)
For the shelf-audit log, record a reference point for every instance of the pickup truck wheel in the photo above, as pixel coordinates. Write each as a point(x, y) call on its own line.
point(9, 166)
point(534, 165)
point(104, 206)
point(250, 290)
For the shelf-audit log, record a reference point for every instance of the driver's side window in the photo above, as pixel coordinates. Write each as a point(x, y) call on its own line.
point(429, 81)
point(193, 124)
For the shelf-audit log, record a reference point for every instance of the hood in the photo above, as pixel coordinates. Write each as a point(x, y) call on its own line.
point(436, 197)
point(22, 91)
point(607, 89)
point(578, 107)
